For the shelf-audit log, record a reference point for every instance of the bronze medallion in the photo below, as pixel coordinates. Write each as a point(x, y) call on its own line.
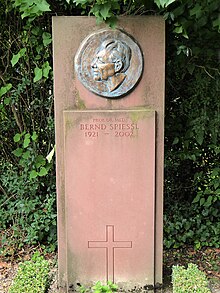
point(109, 63)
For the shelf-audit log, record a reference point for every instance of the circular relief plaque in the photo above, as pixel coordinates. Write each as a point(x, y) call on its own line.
point(109, 63)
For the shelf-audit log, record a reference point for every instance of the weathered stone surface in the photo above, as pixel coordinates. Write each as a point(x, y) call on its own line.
point(72, 96)
point(110, 195)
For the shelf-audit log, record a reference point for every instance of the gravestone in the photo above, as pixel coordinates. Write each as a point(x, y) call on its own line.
point(109, 112)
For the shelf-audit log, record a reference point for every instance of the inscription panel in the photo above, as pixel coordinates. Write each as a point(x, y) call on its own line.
point(117, 127)
point(109, 186)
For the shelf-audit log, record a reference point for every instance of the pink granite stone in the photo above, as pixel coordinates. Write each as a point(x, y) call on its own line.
point(126, 187)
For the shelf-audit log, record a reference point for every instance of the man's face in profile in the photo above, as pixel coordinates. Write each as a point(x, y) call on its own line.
point(102, 66)
point(106, 65)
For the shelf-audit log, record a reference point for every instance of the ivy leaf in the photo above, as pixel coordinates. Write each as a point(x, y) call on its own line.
point(7, 101)
point(18, 152)
point(178, 30)
point(26, 155)
point(176, 140)
point(5, 89)
point(26, 140)
point(34, 136)
point(46, 38)
point(193, 157)
point(169, 2)
point(184, 34)
point(40, 161)
point(22, 52)
point(27, 135)
point(46, 69)
point(200, 137)
point(16, 57)
point(157, 2)
point(197, 10)
point(163, 3)
point(43, 5)
point(112, 21)
point(197, 198)
point(99, 19)
point(191, 68)
point(33, 174)
point(38, 73)
point(209, 201)
point(104, 11)
point(202, 201)
point(35, 31)
point(43, 171)
point(17, 137)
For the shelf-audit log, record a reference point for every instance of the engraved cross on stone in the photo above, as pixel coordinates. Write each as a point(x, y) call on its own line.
point(110, 245)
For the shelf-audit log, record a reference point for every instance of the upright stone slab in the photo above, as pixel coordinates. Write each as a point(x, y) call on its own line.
point(109, 107)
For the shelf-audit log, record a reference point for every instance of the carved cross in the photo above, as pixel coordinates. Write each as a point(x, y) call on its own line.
point(110, 244)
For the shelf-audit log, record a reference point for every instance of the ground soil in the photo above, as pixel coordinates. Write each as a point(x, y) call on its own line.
point(208, 260)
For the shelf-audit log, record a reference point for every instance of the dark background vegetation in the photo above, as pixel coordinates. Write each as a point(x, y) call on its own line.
point(27, 166)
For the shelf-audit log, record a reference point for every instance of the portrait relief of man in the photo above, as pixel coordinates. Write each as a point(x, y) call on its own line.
point(110, 63)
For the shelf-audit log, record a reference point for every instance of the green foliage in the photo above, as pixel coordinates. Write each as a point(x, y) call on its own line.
point(99, 288)
point(31, 8)
point(5, 89)
point(17, 56)
point(192, 159)
point(28, 208)
point(189, 225)
point(103, 10)
point(163, 3)
point(32, 276)
point(185, 17)
point(27, 177)
point(109, 287)
point(26, 152)
point(189, 280)
point(188, 17)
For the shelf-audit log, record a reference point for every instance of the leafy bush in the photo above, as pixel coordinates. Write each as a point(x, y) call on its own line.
point(192, 174)
point(184, 225)
point(32, 276)
point(99, 288)
point(192, 181)
point(27, 178)
point(28, 209)
point(189, 280)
